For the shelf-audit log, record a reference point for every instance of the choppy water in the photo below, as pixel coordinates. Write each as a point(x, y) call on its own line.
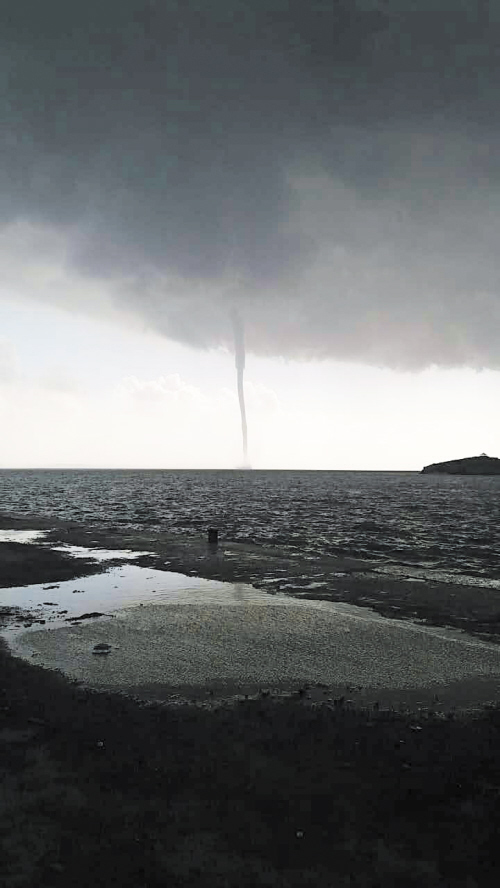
point(435, 522)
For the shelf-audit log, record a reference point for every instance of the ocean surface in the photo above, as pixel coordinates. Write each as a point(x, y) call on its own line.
point(433, 522)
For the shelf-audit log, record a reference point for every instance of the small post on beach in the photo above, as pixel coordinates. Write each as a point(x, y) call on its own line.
point(213, 537)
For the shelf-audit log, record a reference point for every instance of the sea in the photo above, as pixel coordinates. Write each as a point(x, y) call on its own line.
point(438, 525)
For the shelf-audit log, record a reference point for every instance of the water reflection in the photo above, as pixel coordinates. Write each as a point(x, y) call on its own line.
point(125, 586)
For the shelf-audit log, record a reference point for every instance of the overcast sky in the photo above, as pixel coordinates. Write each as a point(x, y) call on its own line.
point(330, 170)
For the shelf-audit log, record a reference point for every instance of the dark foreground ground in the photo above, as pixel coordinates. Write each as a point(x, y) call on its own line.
point(96, 789)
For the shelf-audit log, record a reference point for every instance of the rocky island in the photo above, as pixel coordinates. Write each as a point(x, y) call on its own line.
point(471, 465)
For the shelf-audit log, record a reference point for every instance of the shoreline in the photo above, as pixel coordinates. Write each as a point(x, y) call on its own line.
point(474, 609)
point(308, 787)
point(237, 564)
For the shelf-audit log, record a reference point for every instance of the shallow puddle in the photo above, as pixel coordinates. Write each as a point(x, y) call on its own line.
point(119, 587)
point(127, 585)
point(21, 536)
point(168, 628)
point(99, 554)
point(95, 553)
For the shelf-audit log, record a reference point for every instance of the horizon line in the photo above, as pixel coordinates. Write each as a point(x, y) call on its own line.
point(77, 468)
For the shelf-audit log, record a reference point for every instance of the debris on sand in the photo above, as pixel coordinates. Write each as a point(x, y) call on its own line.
point(89, 616)
point(101, 649)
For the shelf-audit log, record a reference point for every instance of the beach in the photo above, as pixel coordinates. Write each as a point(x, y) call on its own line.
point(239, 731)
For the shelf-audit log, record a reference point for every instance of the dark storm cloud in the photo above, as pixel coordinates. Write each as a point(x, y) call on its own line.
point(333, 168)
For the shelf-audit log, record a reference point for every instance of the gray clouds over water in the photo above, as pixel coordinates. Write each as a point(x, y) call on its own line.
point(331, 167)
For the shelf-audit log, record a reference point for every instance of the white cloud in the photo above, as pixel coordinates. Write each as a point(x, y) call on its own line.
point(261, 398)
point(170, 388)
point(308, 416)
point(9, 361)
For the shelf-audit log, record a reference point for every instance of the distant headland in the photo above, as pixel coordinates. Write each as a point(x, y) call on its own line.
point(471, 465)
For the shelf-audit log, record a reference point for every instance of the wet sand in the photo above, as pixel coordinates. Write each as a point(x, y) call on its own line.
point(234, 637)
point(388, 588)
point(231, 637)
point(99, 789)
